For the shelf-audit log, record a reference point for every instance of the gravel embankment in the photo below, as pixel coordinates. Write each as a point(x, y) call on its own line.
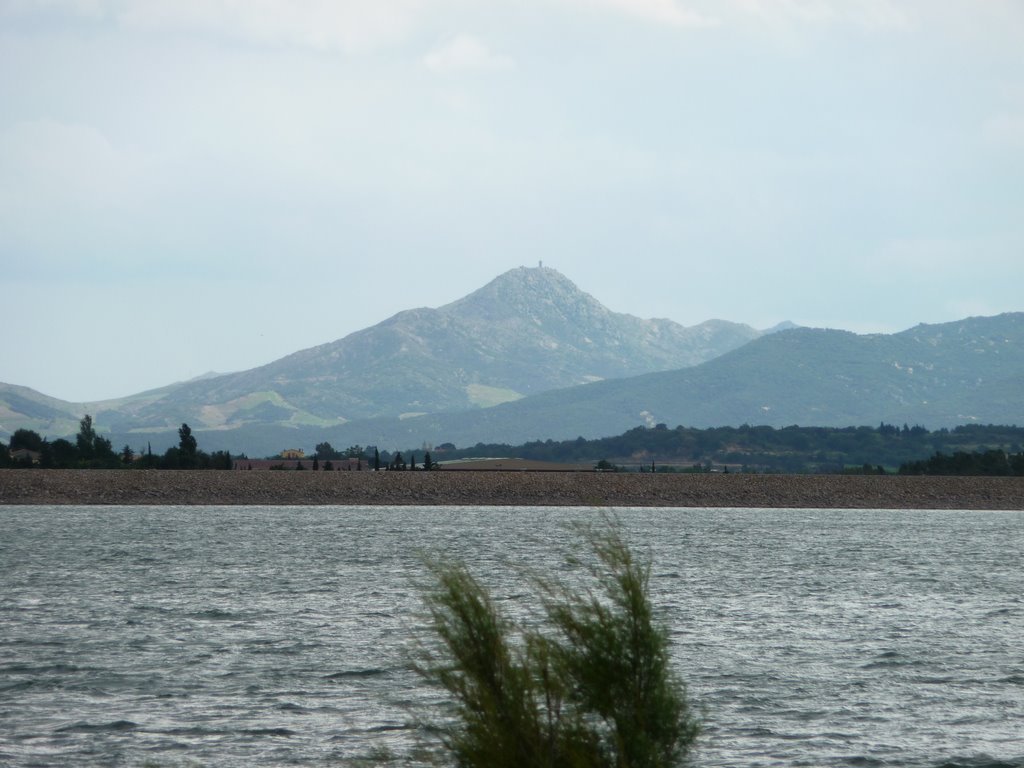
point(507, 488)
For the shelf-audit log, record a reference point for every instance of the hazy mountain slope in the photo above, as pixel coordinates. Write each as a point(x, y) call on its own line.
point(24, 408)
point(528, 331)
point(935, 375)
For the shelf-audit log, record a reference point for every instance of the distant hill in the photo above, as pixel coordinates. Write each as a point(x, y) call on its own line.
point(25, 408)
point(970, 371)
point(528, 331)
point(553, 363)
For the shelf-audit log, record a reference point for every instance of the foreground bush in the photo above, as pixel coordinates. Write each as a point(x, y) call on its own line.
point(590, 687)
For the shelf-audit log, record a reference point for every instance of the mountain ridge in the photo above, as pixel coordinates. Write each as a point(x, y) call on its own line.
point(527, 331)
point(804, 376)
point(529, 356)
point(938, 375)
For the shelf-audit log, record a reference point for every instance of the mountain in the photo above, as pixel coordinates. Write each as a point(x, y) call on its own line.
point(970, 371)
point(530, 356)
point(934, 375)
point(25, 408)
point(528, 331)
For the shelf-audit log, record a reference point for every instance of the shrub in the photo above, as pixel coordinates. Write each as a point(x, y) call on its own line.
point(590, 687)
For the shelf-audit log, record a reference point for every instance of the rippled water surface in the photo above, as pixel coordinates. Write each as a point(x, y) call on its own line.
point(229, 636)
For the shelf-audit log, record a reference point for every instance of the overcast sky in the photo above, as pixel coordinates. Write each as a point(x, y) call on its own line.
point(196, 185)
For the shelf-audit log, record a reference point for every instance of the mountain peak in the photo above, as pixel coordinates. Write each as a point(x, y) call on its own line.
point(527, 331)
point(785, 325)
point(528, 293)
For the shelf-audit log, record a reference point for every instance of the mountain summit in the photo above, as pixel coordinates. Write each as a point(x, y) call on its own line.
point(544, 333)
point(528, 331)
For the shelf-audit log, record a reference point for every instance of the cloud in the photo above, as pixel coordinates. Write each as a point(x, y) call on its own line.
point(65, 190)
point(710, 13)
point(47, 162)
point(1005, 131)
point(935, 259)
point(865, 13)
point(465, 53)
point(349, 25)
point(770, 15)
point(76, 7)
point(667, 12)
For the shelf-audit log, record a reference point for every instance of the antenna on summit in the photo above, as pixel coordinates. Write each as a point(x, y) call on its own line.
point(540, 265)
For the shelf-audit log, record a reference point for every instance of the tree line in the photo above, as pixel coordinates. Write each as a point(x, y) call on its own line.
point(792, 449)
point(93, 451)
point(90, 450)
point(991, 462)
point(378, 460)
point(887, 448)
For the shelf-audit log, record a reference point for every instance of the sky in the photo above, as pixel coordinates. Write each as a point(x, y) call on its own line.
point(208, 185)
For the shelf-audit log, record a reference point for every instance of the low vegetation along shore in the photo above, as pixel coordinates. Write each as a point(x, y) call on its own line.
point(140, 487)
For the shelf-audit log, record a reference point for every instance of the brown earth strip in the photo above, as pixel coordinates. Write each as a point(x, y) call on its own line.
point(34, 486)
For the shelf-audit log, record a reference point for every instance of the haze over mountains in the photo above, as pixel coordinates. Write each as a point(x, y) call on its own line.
point(530, 356)
point(969, 371)
point(528, 331)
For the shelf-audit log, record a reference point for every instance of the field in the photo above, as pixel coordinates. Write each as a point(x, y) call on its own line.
point(523, 488)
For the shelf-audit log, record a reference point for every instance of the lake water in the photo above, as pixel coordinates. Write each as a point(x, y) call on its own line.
point(241, 636)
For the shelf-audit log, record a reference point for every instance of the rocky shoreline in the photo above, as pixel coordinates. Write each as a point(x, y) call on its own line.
point(149, 487)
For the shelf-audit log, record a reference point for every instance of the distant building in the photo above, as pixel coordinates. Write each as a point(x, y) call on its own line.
point(26, 456)
point(334, 465)
point(293, 453)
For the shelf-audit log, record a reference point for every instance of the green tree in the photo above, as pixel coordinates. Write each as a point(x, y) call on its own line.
point(93, 450)
point(325, 450)
point(86, 439)
point(221, 460)
point(26, 439)
point(127, 455)
point(428, 464)
point(376, 460)
point(187, 447)
point(105, 455)
point(171, 458)
point(593, 689)
point(146, 459)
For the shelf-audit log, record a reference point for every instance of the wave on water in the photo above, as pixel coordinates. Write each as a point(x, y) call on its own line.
point(217, 614)
point(270, 636)
point(288, 706)
point(356, 673)
point(892, 659)
point(115, 726)
point(275, 732)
